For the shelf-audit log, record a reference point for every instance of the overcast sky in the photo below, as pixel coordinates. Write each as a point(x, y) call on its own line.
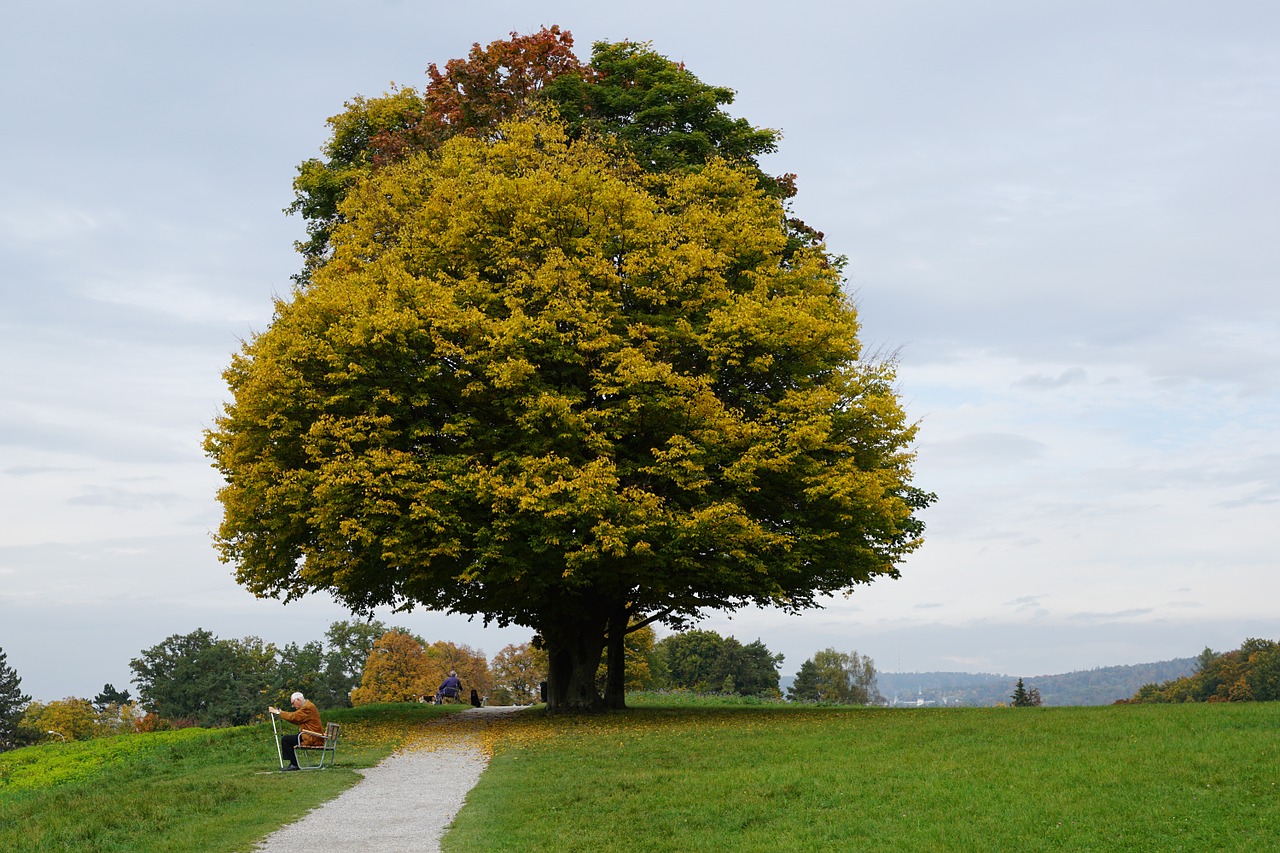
point(1064, 216)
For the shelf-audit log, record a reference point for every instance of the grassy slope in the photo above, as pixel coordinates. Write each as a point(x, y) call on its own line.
point(1190, 777)
point(189, 790)
point(702, 777)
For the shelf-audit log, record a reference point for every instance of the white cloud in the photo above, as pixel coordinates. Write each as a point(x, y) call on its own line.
point(36, 220)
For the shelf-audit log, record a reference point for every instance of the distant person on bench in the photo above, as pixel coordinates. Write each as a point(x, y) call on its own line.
point(451, 688)
point(306, 717)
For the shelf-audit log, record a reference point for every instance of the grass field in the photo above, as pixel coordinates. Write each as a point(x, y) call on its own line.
point(695, 776)
point(1186, 777)
point(188, 790)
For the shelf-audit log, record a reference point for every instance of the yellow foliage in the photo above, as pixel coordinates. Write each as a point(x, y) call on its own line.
point(73, 718)
point(471, 665)
point(396, 671)
point(518, 670)
point(536, 383)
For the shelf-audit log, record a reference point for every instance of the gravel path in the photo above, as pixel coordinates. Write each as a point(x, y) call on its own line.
point(404, 803)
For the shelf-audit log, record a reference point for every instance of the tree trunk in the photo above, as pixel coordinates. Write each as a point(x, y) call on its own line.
point(615, 687)
point(573, 656)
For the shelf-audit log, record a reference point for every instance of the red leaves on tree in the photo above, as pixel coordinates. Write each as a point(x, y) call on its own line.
point(491, 85)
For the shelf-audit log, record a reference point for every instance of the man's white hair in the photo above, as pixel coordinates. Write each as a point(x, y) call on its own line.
point(297, 696)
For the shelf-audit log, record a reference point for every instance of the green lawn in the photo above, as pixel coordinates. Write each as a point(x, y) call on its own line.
point(695, 776)
point(1187, 777)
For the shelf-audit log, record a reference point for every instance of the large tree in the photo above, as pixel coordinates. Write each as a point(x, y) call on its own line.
point(538, 383)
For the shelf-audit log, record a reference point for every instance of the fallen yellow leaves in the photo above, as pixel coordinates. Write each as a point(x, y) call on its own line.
point(491, 732)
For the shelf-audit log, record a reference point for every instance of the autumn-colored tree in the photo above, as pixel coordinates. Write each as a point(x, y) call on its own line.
point(1262, 670)
point(667, 116)
point(396, 671)
point(518, 671)
point(658, 109)
point(72, 718)
point(470, 96)
point(538, 385)
point(471, 665)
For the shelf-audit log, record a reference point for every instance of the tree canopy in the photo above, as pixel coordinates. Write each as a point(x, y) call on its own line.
point(704, 661)
point(844, 678)
point(111, 696)
point(627, 91)
point(200, 677)
point(540, 383)
point(518, 673)
point(402, 668)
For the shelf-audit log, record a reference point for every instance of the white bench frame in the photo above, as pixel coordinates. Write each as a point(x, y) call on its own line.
point(306, 754)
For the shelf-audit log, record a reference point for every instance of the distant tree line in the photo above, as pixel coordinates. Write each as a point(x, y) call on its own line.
point(1098, 686)
point(196, 679)
point(705, 662)
point(200, 679)
point(1250, 673)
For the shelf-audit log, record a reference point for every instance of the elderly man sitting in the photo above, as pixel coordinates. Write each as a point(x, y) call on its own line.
point(306, 717)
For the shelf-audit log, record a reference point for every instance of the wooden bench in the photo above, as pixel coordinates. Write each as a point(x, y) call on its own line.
point(326, 750)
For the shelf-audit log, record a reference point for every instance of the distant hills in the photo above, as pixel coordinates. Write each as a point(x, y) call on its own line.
point(1100, 686)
